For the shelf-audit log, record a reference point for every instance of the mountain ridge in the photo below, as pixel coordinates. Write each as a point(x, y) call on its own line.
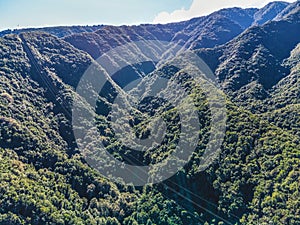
point(45, 180)
point(62, 31)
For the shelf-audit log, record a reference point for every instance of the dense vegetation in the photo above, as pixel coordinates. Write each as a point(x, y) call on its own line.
point(255, 180)
point(57, 31)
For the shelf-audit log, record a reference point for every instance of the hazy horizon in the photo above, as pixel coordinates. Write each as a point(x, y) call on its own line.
point(17, 14)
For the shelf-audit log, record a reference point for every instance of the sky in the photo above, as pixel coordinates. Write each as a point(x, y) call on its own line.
point(40, 13)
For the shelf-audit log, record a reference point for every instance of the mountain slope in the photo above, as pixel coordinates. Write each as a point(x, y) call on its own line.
point(208, 31)
point(269, 12)
point(227, 180)
point(251, 64)
point(290, 9)
point(255, 179)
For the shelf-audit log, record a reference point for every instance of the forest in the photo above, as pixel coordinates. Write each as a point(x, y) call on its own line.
point(255, 179)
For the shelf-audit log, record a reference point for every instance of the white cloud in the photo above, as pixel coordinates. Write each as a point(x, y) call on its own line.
point(204, 7)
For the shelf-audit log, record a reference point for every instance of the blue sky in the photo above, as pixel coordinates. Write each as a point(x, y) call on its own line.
point(38, 13)
point(28, 13)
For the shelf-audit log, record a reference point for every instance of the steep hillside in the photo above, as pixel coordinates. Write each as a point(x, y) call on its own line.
point(284, 100)
point(251, 66)
point(45, 178)
point(290, 9)
point(231, 188)
point(203, 32)
point(208, 31)
point(269, 12)
point(39, 162)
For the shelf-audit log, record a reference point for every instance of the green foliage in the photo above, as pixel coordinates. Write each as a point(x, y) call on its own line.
point(255, 180)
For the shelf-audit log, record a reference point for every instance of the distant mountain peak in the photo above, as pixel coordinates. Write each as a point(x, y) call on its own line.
point(269, 12)
point(289, 10)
